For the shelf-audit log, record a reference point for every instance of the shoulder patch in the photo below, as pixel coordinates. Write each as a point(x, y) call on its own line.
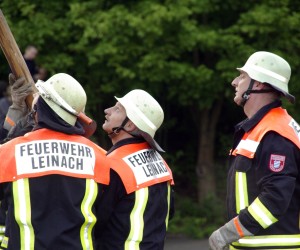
point(277, 163)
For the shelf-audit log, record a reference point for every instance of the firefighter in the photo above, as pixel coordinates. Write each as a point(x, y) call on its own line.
point(11, 127)
point(52, 177)
point(264, 179)
point(19, 90)
point(138, 203)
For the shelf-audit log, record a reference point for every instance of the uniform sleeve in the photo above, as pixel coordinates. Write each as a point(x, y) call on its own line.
point(106, 204)
point(1, 192)
point(3, 134)
point(172, 205)
point(276, 171)
point(3, 210)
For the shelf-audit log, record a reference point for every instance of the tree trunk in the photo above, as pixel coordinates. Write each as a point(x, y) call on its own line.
point(206, 182)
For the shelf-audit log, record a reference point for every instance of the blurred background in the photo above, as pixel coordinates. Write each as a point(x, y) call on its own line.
point(185, 53)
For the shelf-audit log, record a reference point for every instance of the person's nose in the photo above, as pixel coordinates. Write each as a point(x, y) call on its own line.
point(235, 82)
point(107, 111)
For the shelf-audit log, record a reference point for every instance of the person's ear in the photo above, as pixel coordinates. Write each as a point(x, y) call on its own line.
point(130, 126)
point(258, 85)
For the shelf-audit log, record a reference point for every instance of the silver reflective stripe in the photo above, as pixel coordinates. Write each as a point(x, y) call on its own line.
point(248, 144)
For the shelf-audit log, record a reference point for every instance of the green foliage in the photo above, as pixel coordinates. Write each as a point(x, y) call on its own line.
point(185, 53)
point(194, 220)
point(182, 46)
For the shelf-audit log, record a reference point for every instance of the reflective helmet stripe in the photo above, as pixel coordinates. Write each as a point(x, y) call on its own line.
point(269, 73)
point(51, 95)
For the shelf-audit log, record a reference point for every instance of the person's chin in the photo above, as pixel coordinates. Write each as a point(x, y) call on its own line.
point(104, 126)
point(238, 101)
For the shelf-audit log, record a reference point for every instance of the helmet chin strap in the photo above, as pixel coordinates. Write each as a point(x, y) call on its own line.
point(247, 93)
point(116, 130)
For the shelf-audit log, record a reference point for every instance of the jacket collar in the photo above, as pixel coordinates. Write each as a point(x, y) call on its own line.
point(248, 124)
point(121, 143)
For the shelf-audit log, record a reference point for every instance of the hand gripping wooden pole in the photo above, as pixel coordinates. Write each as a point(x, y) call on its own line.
point(14, 56)
point(19, 68)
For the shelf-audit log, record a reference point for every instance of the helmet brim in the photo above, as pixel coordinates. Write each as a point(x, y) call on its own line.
point(151, 141)
point(288, 96)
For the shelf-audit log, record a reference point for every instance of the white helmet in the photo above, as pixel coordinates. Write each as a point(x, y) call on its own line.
point(269, 68)
point(145, 112)
point(64, 95)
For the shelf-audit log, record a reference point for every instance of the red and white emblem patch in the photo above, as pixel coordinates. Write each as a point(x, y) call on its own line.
point(277, 162)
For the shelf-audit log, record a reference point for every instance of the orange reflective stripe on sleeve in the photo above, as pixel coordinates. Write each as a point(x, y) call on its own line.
point(238, 227)
point(10, 121)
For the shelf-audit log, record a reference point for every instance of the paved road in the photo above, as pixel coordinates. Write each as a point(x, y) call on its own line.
point(185, 244)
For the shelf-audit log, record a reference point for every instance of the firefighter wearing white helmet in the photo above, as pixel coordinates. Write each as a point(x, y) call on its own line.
point(268, 68)
point(263, 180)
point(57, 171)
point(64, 95)
point(140, 177)
point(145, 112)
